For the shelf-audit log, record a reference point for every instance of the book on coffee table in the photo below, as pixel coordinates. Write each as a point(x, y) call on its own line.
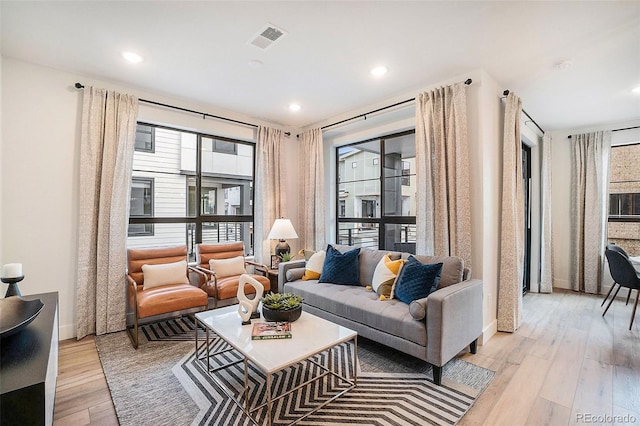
point(271, 330)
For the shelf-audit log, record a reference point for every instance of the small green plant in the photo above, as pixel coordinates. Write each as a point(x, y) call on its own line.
point(282, 301)
point(285, 257)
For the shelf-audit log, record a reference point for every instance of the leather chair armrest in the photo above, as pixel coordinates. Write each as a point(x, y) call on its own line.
point(206, 284)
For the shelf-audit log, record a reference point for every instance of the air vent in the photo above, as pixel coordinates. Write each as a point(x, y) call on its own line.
point(267, 36)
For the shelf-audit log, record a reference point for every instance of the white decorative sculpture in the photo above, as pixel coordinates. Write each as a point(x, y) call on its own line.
point(248, 308)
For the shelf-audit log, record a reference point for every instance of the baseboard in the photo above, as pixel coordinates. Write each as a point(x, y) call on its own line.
point(488, 332)
point(67, 332)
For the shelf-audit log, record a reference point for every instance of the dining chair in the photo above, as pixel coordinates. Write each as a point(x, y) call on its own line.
point(625, 275)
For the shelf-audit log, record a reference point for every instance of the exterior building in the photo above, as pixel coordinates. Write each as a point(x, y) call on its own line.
point(624, 198)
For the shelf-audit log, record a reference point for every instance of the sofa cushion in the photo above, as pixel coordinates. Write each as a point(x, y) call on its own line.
point(416, 280)
point(164, 274)
point(452, 268)
point(314, 266)
point(295, 274)
point(385, 275)
point(341, 268)
point(360, 305)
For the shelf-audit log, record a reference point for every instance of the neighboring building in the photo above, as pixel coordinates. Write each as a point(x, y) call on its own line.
point(624, 198)
point(164, 186)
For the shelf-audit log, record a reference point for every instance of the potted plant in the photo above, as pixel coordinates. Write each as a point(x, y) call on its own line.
point(281, 307)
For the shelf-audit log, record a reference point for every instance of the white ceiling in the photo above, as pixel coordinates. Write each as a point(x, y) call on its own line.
point(198, 51)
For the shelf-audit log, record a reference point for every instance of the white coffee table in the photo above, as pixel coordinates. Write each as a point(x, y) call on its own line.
point(311, 335)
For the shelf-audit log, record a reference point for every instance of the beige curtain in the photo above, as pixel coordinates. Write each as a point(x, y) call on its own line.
point(106, 154)
point(443, 216)
point(312, 197)
point(269, 192)
point(546, 273)
point(589, 188)
point(512, 221)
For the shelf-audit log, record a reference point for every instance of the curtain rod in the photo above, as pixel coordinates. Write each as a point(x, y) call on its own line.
point(203, 114)
point(505, 93)
point(619, 130)
point(467, 82)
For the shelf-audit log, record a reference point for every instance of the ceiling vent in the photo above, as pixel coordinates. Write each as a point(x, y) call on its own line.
point(267, 36)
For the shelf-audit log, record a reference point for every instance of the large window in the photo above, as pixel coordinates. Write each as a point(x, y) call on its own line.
point(190, 188)
point(376, 193)
point(624, 198)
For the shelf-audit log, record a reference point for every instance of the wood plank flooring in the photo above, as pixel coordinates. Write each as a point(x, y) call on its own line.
point(564, 363)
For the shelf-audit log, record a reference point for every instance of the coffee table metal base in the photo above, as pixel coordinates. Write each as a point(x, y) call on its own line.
point(204, 354)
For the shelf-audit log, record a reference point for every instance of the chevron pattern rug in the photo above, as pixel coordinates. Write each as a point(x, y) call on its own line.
point(378, 399)
point(161, 383)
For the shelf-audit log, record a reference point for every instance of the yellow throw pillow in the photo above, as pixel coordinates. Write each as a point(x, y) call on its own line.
point(228, 267)
point(314, 266)
point(385, 275)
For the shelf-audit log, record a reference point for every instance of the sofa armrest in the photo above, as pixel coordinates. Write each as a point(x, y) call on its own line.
point(283, 267)
point(454, 320)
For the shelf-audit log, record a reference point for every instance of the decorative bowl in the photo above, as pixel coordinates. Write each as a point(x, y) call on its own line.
point(280, 316)
point(16, 313)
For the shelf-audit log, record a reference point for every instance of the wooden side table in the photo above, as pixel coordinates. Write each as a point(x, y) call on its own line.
point(272, 274)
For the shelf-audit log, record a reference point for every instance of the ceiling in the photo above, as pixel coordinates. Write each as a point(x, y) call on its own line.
point(199, 51)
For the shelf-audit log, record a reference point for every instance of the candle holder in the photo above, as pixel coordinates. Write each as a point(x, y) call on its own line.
point(13, 289)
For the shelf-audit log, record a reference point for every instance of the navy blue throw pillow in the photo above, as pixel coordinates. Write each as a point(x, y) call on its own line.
point(417, 280)
point(341, 268)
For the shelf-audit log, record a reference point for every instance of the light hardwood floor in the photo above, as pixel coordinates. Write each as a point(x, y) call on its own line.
point(564, 364)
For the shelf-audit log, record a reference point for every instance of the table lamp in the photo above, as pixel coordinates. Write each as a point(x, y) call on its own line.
point(282, 229)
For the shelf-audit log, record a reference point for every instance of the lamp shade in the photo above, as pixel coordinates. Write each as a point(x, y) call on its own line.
point(282, 229)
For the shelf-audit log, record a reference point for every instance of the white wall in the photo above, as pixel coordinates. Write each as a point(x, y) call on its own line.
point(40, 181)
point(561, 191)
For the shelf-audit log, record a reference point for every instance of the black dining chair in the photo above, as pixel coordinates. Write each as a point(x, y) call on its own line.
point(620, 250)
point(623, 274)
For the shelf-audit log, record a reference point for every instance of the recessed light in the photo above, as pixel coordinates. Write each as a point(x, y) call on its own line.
point(294, 107)
point(379, 71)
point(255, 63)
point(636, 90)
point(132, 57)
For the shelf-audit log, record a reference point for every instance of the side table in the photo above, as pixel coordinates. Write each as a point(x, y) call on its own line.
point(272, 274)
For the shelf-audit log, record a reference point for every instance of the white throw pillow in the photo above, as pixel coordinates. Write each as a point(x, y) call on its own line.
point(314, 266)
point(385, 275)
point(165, 273)
point(228, 267)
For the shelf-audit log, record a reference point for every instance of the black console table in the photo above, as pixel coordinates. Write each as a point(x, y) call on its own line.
point(29, 368)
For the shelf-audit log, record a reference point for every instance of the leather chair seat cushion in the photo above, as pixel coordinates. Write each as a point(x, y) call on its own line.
point(169, 298)
point(228, 286)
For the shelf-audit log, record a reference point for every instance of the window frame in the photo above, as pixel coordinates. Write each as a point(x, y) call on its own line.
point(384, 219)
point(149, 228)
point(199, 219)
point(151, 150)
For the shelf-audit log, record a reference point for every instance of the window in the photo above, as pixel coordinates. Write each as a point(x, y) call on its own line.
point(624, 205)
point(376, 202)
point(141, 205)
point(198, 189)
point(624, 197)
point(145, 138)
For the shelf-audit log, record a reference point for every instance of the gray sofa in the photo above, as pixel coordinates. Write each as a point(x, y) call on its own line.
point(434, 329)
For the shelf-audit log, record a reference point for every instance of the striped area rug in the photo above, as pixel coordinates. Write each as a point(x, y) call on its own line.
point(181, 329)
point(161, 384)
point(378, 399)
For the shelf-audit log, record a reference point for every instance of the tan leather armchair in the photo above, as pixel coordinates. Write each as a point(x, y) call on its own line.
point(178, 297)
point(224, 290)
